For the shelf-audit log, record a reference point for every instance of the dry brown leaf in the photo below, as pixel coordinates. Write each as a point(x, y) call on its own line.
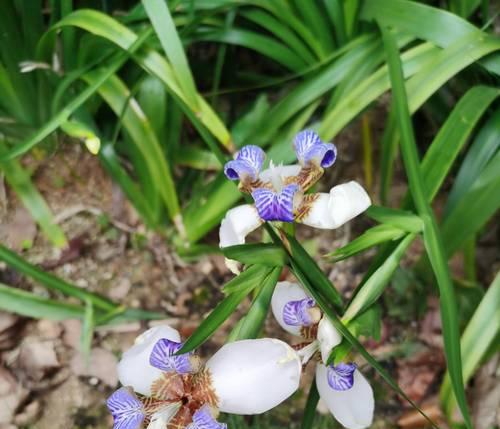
point(20, 231)
point(37, 358)
point(12, 395)
point(101, 364)
point(72, 332)
point(414, 420)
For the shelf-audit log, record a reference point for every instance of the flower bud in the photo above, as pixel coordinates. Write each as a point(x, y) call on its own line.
point(134, 369)
point(253, 376)
point(354, 407)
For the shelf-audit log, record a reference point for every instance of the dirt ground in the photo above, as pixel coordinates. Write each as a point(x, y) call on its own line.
point(46, 383)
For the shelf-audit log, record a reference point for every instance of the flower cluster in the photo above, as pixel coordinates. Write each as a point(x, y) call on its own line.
point(166, 390)
point(342, 387)
point(279, 192)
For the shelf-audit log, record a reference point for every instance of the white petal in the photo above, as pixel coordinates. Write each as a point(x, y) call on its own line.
point(328, 337)
point(134, 369)
point(285, 292)
point(160, 419)
point(352, 408)
point(343, 203)
point(253, 376)
point(236, 225)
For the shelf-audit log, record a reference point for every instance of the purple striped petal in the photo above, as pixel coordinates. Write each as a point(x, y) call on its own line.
point(126, 409)
point(341, 377)
point(295, 313)
point(162, 357)
point(247, 164)
point(275, 206)
point(203, 419)
point(310, 149)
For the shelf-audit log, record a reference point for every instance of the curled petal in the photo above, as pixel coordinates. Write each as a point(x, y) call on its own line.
point(253, 376)
point(285, 292)
point(126, 409)
point(236, 225)
point(134, 368)
point(162, 357)
point(310, 149)
point(246, 165)
point(203, 418)
point(341, 376)
point(328, 337)
point(353, 408)
point(273, 206)
point(329, 211)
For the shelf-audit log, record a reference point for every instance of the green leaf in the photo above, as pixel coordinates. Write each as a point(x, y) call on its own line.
point(474, 208)
point(164, 27)
point(20, 181)
point(402, 219)
point(263, 254)
point(482, 149)
point(87, 330)
point(238, 288)
point(481, 332)
point(119, 99)
point(371, 237)
point(310, 408)
point(253, 321)
point(27, 304)
point(52, 282)
point(432, 239)
point(373, 287)
point(63, 115)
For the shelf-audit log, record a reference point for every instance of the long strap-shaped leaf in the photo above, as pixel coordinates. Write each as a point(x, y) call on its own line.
point(432, 238)
point(74, 104)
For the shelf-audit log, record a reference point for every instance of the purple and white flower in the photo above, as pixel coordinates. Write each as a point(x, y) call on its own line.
point(342, 387)
point(164, 389)
point(279, 192)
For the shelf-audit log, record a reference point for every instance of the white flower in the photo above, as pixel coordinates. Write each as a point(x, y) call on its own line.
point(280, 195)
point(253, 376)
point(353, 407)
point(343, 389)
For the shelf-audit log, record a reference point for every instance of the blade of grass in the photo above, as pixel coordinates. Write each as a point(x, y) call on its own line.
point(63, 115)
point(263, 254)
point(52, 282)
point(27, 304)
point(166, 31)
point(432, 238)
point(20, 181)
point(310, 408)
point(238, 288)
point(254, 319)
point(481, 332)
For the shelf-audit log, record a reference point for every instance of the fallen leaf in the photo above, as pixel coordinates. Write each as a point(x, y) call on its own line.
point(101, 364)
point(486, 395)
point(12, 395)
point(72, 333)
point(20, 231)
point(416, 375)
point(413, 419)
point(37, 358)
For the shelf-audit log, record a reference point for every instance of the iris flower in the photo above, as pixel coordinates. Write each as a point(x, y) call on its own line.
point(163, 390)
point(279, 192)
point(342, 387)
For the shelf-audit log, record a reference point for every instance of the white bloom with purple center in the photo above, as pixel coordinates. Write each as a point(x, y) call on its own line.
point(164, 387)
point(280, 195)
point(344, 390)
